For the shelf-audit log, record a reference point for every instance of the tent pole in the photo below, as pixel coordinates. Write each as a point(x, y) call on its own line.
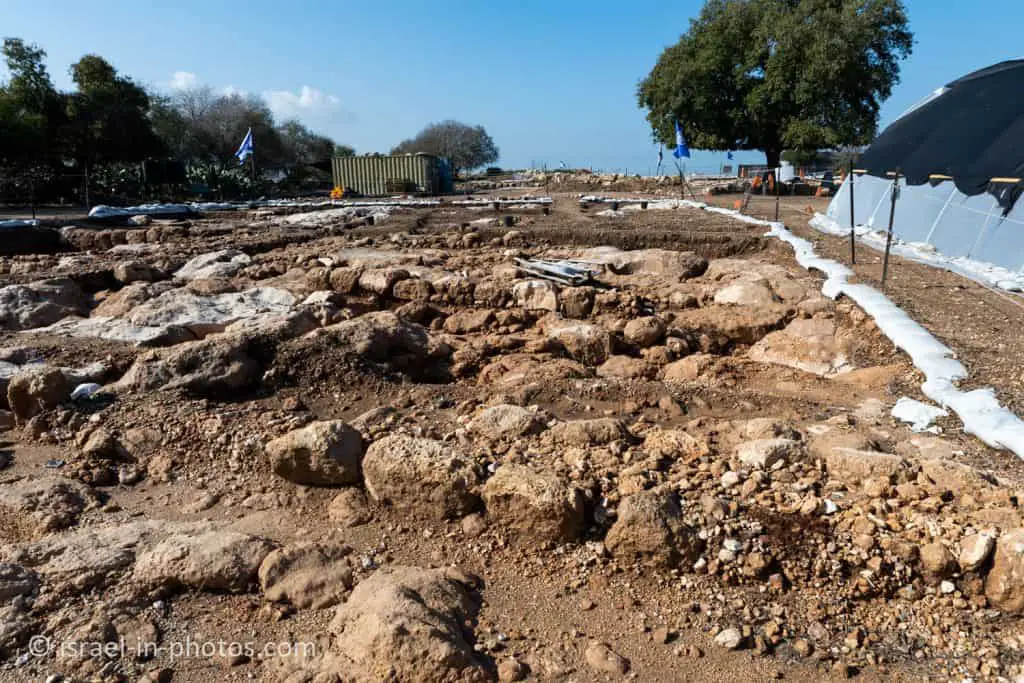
point(984, 228)
point(892, 215)
point(871, 219)
point(945, 206)
point(853, 248)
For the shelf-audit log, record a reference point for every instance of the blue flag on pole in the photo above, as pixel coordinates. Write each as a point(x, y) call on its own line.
point(728, 155)
point(246, 148)
point(681, 149)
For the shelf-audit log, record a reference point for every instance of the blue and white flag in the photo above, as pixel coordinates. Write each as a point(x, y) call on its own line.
point(245, 149)
point(681, 149)
point(728, 155)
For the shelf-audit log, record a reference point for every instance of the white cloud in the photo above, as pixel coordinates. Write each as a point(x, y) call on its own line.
point(307, 103)
point(183, 80)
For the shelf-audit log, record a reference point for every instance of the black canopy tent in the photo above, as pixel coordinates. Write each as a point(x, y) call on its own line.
point(972, 133)
point(969, 133)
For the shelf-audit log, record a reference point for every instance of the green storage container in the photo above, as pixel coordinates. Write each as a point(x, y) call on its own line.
point(383, 175)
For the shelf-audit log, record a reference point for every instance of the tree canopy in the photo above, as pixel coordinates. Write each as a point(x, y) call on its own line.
point(30, 107)
point(778, 74)
point(464, 146)
point(108, 122)
point(108, 116)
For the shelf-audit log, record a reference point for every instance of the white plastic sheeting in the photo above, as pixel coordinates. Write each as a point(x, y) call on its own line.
point(936, 224)
point(103, 211)
point(19, 223)
point(919, 415)
point(523, 201)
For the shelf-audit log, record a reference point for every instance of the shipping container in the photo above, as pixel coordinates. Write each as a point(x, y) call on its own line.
point(384, 175)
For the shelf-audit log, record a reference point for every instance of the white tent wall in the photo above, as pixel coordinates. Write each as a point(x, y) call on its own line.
point(955, 225)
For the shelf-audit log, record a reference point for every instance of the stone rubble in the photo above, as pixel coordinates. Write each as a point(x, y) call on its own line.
point(335, 431)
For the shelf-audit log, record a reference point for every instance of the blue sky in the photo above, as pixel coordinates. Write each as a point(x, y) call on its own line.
point(551, 80)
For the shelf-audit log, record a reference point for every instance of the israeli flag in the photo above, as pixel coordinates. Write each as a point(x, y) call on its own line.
point(728, 155)
point(245, 149)
point(681, 149)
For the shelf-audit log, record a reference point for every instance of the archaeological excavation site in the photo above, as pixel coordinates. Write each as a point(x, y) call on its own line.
point(545, 438)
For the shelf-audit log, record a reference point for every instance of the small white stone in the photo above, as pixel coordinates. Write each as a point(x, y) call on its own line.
point(947, 587)
point(975, 550)
point(729, 638)
point(730, 479)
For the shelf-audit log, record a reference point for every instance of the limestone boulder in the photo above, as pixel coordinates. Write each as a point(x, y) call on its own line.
point(809, 344)
point(854, 466)
point(536, 507)
point(218, 366)
point(41, 303)
point(381, 281)
point(649, 528)
point(420, 476)
point(407, 622)
point(644, 331)
point(468, 321)
point(203, 315)
point(218, 264)
point(506, 421)
point(677, 265)
point(725, 326)
point(583, 342)
point(1004, 585)
point(313, 575)
point(585, 433)
point(212, 560)
point(324, 453)
point(762, 454)
point(627, 367)
point(535, 295)
point(36, 391)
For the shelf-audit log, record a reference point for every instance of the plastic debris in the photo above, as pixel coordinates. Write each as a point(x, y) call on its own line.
point(919, 415)
point(84, 391)
point(566, 272)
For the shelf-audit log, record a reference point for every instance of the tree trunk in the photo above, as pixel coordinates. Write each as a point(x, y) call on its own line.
point(773, 156)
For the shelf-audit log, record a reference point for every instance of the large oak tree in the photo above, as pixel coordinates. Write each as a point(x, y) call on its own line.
point(464, 146)
point(778, 74)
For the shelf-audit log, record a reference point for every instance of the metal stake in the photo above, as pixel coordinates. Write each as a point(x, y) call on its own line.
point(775, 180)
point(853, 238)
point(892, 216)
